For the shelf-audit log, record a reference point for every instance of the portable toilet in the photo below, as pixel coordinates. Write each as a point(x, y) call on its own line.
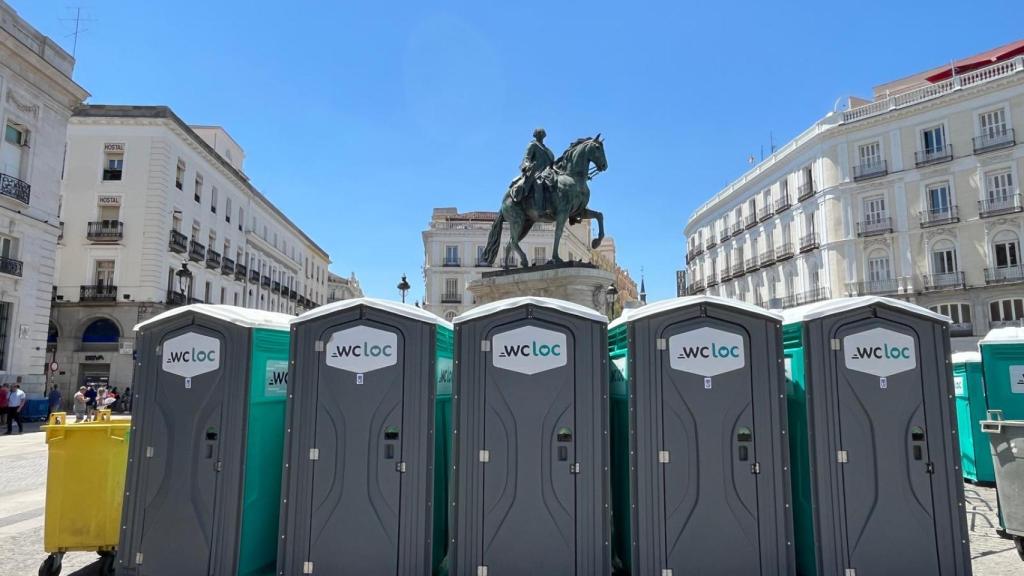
point(881, 439)
point(971, 408)
point(362, 434)
point(203, 481)
point(1002, 358)
point(531, 493)
point(708, 488)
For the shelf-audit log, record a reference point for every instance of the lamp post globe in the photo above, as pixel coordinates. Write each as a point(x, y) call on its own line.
point(403, 287)
point(610, 293)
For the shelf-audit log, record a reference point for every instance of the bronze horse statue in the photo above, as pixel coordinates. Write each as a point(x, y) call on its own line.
point(566, 195)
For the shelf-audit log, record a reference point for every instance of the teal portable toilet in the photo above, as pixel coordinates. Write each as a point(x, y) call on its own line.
point(971, 406)
point(1002, 359)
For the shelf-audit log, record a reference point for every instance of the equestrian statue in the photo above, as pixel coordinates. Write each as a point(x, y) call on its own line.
point(548, 190)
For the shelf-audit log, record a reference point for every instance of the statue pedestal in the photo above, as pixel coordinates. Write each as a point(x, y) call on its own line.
point(584, 285)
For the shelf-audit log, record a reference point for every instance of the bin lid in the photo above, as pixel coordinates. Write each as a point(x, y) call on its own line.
point(965, 357)
point(634, 314)
point(399, 308)
point(553, 303)
point(1008, 335)
point(839, 305)
point(247, 317)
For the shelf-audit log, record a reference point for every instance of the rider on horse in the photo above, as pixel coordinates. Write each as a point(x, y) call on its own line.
point(537, 158)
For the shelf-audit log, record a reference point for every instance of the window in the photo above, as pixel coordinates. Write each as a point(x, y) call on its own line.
point(241, 218)
point(208, 292)
point(959, 313)
point(878, 266)
point(1009, 310)
point(870, 155)
point(752, 207)
point(808, 179)
point(451, 255)
point(785, 233)
point(1006, 250)
point(933, 139)
point(539, 255)
point(5, 321)
point(15, 140)
point(451, 287)
point(179, 175)
point(999, 186)
point(236, 298)
point(944, 258)
point(783, 191)
point(199, 188)
point(104, 272)
point(992, 124)
point(176, 221)
point(7, 248)
point(938, 198)
point(213, 199)
point(227, 209)
point(113, 162)
point(874, 209)
point(223, 294)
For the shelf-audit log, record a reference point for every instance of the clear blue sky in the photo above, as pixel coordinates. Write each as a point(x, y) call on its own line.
point(393, 108)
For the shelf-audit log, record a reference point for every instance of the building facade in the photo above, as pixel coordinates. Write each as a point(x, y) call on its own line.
point(37, 96)
point(144, 197)
point(340, 288)
point(454, 242)
point(913, 194)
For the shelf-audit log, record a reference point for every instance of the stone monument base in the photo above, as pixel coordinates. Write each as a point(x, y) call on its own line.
point(582, 284)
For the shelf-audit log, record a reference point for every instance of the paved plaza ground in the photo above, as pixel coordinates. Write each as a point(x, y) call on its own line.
point(23, 492)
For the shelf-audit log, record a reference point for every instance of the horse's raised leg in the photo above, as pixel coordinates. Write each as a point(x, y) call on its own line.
point(594, 214)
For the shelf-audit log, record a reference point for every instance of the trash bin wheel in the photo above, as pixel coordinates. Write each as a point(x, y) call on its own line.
point(106, 563)
point(52, 565)
point(1018, 542)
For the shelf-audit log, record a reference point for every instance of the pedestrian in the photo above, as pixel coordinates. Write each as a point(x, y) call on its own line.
point(90, 403)
point(15, 402)
point(79, 404)
point(5, 391)
point(54, 398)
point(126, 400)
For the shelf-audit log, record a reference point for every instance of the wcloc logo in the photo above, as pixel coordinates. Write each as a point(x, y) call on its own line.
point(191, 354)
point(880, 352)
point(529, 350)
point(706, 351)
point(362, 349)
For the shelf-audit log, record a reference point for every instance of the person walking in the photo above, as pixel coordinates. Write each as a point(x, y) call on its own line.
point(90, 403)
point(126, 400)
point(79, 404)
point(15, 402)
point(54, 397)
point(5, 391)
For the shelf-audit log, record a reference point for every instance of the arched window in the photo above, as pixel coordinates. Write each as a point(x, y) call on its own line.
point(449, 315)
point(1008, 312)
point(101, 331)
point(1005, 250)
point(944, 260)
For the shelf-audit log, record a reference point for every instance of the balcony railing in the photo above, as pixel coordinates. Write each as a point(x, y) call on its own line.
point(697, 286)
point(1004, 275)
point(105, 231)
point(212, 259)
point(767, 257)
point(805, 191)
point(764, 213)
point(175, 298)
point(275, 287)
point(737, 269)
point(227, 266)
point(782, 203)
point(751, 264)
point(871, 170)
point(994, 140)
point(881, 286)
point(874, 226)
point(196, 251)
point(943, 281)
point(694, 252)
point(726, 274)
point(939, 216)
point(784, 251)
point(178, 242)
point(711, 243)
point(10, 266)
point(737, 228)
point(241, 271)
point(1005, 324)
point(961, 329)
point(712, 281)
point(750, 221)
point(293, 295)
point(451, 298)
point(254, 276)
point(456, 261)
point(798, 299)
point(809, 242)
point(265, 281)
point(723, 235)
point(998, 204)
point(14, 188)
point(97, 293)
point(933, 155)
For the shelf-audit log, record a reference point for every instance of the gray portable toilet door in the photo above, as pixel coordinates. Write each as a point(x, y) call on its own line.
point(885, 468)
point(529, 481)
point(356, 483)
point(181, 431)
point(709, 449)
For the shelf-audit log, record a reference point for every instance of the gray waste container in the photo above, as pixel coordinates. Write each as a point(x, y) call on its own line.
point(882, 437)
point(709, 483)
point(1007, 441)
point(531, 440)
point(358, 483)
point(202, 490)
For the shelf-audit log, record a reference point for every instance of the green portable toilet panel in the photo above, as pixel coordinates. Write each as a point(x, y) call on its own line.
point(971, 408)
point(619, 448)
point(709, 473)
point(442, 444)
point(358, 489)
point(1002, 357)
point(205, 453)
point(531, 485)
point(885, 473)
point(799, 457)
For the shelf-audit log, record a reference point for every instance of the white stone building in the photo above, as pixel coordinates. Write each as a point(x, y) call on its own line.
point(341, 288)
point(913, 194)
point(143, 192)
point(37, 95)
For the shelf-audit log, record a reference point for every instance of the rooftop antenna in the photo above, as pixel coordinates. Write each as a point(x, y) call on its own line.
point(77, 19)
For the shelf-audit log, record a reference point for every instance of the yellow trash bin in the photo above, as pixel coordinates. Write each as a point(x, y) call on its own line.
point(84, 488)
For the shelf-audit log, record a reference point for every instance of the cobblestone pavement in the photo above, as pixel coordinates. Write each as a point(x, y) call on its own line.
point(23, 492)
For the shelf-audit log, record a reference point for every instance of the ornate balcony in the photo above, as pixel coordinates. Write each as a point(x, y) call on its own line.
point(881, 287)
point(869, 171)
point(943, 281)
point(933, 156)
point(452, 262)
point(712, 281)
point(737, 228)
point(723, 235)
point(275, 287)
point(764, 213)
point(696, 286)
point(241, 271)
point(874, 226)
point(10, 266)
point(807, 297)
point(994, 140)
point(939, 216)
point(737, 269)
point(293, 295)
point(14, 188)
point(451, 298)
point(196, 251)
point(805, 191)
point(750, 221)
point(265, 281)
point(809, 242)
point(212, 259)
point(767, 257)
point(105, 231)
point(694, 252)
point(254, 276)
point(175, 298)
point(711, 243)
point(178, 242)
point(1004, 275)
point(227, 266)
point(97, 293)
point(784, 251)
point(782, 204)
point(998, 204)
point(751, 264)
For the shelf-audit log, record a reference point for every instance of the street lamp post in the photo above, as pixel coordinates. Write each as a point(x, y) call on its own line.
point(184, 281)
point(403, 287)
point(610, 293)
